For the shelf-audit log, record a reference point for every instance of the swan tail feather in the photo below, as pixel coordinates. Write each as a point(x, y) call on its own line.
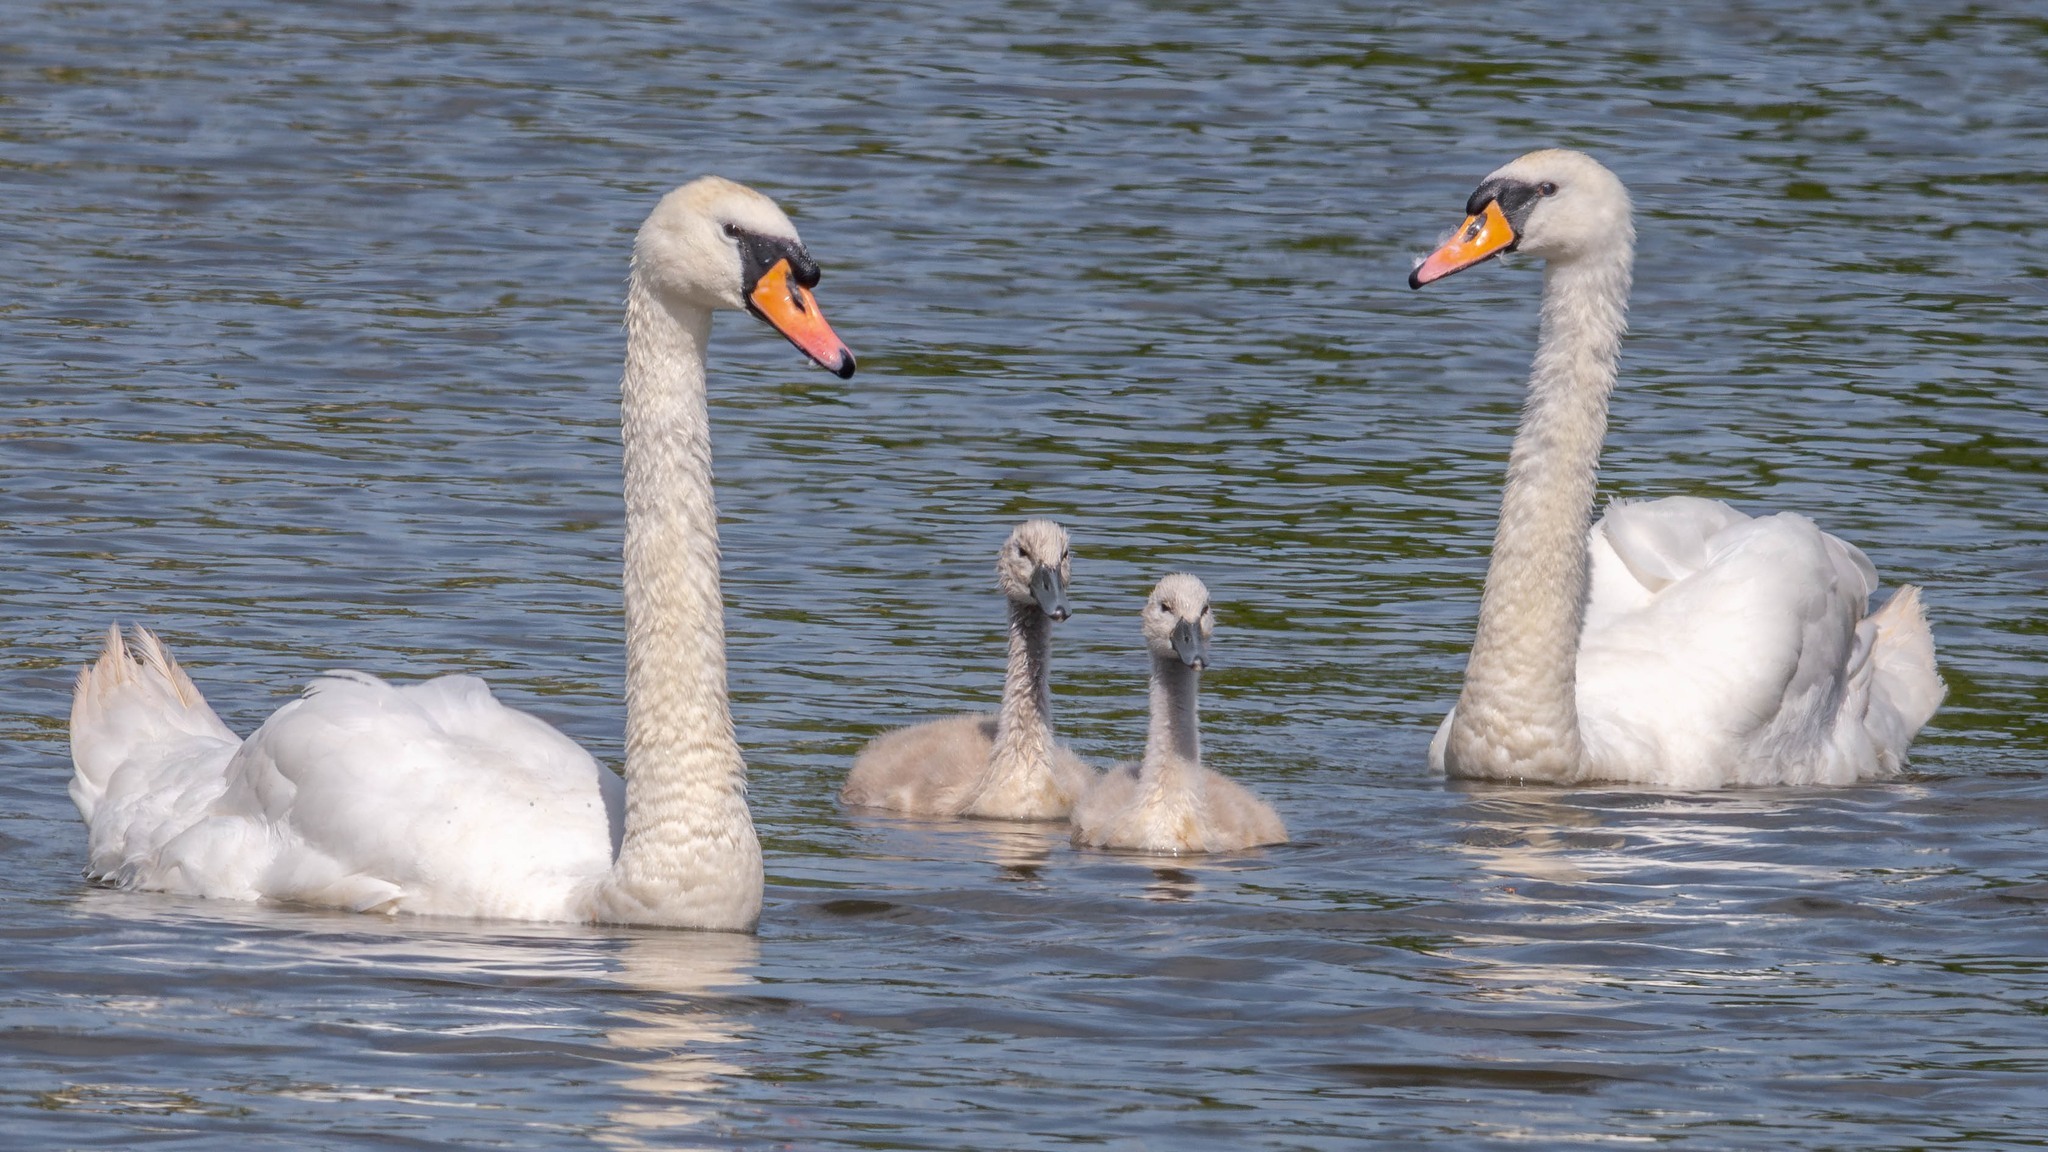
point(1905, 686)
point(132, 703)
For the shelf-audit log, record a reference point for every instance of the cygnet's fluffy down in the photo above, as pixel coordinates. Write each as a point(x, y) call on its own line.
point(1005, 766)
point(1215, 814)
point(1169, 803)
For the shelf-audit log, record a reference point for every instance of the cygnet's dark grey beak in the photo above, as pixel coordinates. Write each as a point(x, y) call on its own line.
point(1050, 590)
point(1190, 646)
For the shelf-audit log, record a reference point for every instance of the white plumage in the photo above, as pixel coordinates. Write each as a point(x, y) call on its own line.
point(1679, 642)
point(436, 799)
point(1724, 650)
point(431, 798)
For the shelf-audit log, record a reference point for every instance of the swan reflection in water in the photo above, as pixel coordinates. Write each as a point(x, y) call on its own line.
point(1527, 834)
point(1634, 870)
point(670, 1037)
point(645, 1001)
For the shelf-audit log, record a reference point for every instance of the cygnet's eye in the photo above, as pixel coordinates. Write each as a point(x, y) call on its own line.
point(1063, 555)
point(1547, 188)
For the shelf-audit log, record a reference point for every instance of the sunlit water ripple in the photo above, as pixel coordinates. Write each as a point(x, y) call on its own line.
point(310, 360)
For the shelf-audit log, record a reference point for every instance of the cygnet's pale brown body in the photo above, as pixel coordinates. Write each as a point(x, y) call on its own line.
point(1005, 766)
point(1168, 803)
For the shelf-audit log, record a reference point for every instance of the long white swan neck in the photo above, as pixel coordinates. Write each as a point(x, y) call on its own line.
point(1173, 741)
point(690, 855)
point(1518, 713)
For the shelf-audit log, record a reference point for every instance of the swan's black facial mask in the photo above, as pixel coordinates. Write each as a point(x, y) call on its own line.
point(1494, 216)
point(759, 253)
point(1515, 198)
point(776, 276)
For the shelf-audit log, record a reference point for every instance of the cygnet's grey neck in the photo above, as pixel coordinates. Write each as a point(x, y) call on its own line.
point(1518, 712)
point(1024, 735)
point(1173, 741)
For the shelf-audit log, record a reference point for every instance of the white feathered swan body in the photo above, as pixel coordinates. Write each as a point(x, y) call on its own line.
point(1679, 642)
point(1170, 803)
point(1005, 766)
point(435, 798)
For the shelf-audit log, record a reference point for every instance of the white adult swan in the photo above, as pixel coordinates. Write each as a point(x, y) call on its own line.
point(1169, 803)
point(1008, 766)
point(1682, 643)
point(434, 798)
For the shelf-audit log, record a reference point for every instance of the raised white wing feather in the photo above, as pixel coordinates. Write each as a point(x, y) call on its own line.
point(1720, 649)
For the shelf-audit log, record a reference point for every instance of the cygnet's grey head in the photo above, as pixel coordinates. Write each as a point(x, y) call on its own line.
point(1178, 620)
point(1554, 204)
point(714, 244)
point(1034, 565)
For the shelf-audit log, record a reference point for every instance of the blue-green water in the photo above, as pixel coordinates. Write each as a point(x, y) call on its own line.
point(308, 357)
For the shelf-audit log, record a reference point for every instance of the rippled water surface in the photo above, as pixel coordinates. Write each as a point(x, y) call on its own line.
point(308, 353)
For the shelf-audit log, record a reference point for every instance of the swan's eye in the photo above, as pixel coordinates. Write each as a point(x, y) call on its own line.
point(732, 230)
point(1547, 188)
